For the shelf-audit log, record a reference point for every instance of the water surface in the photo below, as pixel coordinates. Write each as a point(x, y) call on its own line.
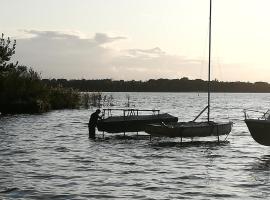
point(49, 156)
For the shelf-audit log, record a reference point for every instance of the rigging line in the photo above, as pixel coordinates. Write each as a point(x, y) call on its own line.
point(220, 74)
point(226, 105)
point(203, 60)
point(209, 61)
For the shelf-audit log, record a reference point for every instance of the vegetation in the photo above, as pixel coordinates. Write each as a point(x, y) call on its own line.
point(160, 85)
point(22, 90)
point(96, 99)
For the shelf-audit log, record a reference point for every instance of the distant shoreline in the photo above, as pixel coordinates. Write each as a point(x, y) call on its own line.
point(160, 85)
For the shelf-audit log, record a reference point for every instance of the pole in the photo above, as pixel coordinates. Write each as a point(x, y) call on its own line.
point(209, 61)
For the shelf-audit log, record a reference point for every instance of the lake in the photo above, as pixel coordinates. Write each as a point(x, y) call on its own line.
point(49, 156)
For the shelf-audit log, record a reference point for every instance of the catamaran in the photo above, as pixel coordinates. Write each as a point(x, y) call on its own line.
point(131, 120)
point(193, 128)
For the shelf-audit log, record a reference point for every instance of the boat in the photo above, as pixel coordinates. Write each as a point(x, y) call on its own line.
point(189, 129)
point(194, 129)
point(132, 120)
point(259, 128)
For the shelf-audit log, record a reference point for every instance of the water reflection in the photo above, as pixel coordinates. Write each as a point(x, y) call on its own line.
point(262, 164)
point(49, 156)
point(260, 176)
point(200, 144)
point(261, 169)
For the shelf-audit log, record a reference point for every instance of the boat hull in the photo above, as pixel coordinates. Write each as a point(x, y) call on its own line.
point(132, 123)
point(189, 129)
point(259, 130)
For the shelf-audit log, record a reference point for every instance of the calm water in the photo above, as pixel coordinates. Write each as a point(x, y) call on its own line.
point(49, 156)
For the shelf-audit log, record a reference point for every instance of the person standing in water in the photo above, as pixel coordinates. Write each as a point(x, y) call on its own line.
point(93, 123)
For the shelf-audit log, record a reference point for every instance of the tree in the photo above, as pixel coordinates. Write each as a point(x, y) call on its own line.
point(7, 49)
point(21, 88)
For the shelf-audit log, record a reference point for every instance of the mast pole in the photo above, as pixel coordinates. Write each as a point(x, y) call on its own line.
point(209, 61)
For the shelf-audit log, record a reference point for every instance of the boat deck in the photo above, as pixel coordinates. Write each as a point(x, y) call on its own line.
point(164, 116)
point(132, 122)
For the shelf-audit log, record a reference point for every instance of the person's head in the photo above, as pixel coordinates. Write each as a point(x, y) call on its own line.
point(98, 111)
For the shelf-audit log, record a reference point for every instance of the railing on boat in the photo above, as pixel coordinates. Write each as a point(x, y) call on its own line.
point(127, 111)
point(265, 115)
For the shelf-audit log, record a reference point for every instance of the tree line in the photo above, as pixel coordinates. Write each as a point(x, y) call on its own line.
point(159, 85)
point(23, 91)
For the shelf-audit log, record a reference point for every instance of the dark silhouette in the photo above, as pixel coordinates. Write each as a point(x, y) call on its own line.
point(23, 91)
point(160, 85)
point(93, 123)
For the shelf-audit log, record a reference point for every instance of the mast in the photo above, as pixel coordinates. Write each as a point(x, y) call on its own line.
point(209, 61)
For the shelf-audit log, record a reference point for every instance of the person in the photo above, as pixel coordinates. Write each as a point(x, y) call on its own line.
point(93, 123)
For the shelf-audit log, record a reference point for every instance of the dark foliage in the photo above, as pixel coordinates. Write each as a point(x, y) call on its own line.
point(7, 49)
point(21, 88)
point(61, 98)
point(159, 85)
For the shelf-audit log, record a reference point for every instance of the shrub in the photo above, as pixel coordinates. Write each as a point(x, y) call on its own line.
point(61, 98)
point(21, 88)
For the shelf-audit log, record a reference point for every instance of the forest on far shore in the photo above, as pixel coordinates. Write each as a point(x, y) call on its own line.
point(159, 85)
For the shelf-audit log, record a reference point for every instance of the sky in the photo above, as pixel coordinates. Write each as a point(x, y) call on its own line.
point(140, 39)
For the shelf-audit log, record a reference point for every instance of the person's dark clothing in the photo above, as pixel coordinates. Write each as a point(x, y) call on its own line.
point(92, 124)
point(93, 119)
point(92, 132)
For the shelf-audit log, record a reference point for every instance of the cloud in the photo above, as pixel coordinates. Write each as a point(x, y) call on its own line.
point(102, 38)
point(67, 55)
point(155, 52)
point(49, 34)
point(153, 64)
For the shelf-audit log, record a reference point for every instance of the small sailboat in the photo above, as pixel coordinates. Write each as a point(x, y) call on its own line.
point(193, 128)
point(259, 128)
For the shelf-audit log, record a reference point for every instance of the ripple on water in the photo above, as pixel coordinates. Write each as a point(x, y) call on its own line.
point(49, 156)
point(62, 149)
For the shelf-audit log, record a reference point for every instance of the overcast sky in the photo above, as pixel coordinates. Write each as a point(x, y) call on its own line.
point(140, 39)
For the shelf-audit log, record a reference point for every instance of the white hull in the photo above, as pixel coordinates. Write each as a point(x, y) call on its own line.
point(189, 129)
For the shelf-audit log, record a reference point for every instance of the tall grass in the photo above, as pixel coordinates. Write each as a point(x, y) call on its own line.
point(96, 99)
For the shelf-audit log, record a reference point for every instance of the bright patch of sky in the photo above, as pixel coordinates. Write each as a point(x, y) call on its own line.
point(140, 39)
